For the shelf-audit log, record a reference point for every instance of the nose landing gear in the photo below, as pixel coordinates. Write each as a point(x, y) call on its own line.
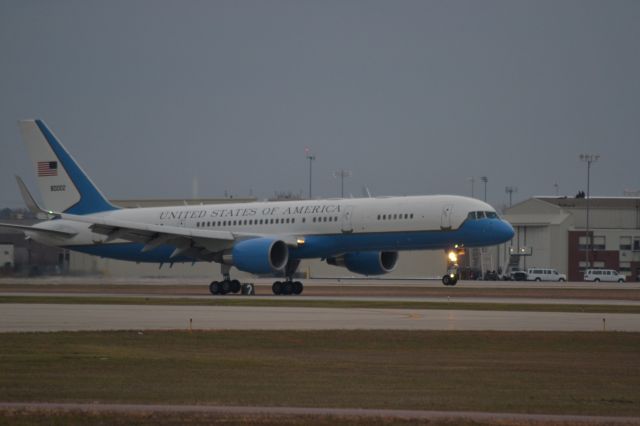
point(453, 274)
point(450, 278)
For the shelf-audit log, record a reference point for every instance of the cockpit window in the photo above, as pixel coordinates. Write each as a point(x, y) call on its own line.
point(482, 215)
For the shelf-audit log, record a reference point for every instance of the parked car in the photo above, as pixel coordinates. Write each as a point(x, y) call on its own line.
point(597, 275)
point(544, 274)
point(518, 276)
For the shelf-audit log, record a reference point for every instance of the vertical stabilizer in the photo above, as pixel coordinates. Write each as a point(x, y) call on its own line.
point(63, 185)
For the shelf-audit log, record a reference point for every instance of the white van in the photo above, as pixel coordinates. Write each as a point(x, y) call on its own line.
point(597, 275)
point(544, 274)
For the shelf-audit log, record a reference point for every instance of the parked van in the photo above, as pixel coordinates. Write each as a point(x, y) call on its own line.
point(544, 274)
point(597, 275)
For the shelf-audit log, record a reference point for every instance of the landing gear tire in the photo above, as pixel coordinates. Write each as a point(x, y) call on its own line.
point(225, 287)
point(447, 280)
point(234, 286)
point(277, 288)
point(297, 288)
point(287, 288)
point(214, 288)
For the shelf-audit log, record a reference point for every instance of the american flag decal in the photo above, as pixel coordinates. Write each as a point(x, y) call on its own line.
point(47, 168)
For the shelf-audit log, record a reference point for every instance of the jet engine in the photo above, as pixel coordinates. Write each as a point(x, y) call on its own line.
point(367, 262)
point(259, 256)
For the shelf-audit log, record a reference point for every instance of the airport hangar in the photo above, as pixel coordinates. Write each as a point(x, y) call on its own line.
point(550, 232)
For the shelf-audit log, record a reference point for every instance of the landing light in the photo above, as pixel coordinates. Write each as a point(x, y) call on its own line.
point(300, 241)
point(453, 257)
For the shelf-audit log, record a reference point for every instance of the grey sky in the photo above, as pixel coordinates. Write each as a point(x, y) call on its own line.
point(413, 97)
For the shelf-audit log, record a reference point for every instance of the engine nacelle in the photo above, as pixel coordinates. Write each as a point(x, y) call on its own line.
point(367, 262)
point(259, 256)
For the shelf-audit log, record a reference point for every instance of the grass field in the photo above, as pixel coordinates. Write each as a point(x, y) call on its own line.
point(307, 303)
point(561, 373)
point(24, 418)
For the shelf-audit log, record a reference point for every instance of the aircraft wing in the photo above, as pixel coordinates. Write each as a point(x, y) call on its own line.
point(197, 243)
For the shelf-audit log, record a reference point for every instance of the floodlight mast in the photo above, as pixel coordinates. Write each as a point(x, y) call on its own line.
point(342, 173)
point(484, 180)
point(588, 158)
point(510, 190)
point(310, 157)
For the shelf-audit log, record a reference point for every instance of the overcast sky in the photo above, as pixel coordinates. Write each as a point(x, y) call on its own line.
point(413, 97)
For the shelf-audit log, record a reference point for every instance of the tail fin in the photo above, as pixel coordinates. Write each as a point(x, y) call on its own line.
point(64, 186)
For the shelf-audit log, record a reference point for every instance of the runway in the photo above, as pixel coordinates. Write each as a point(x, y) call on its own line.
point(68, 317)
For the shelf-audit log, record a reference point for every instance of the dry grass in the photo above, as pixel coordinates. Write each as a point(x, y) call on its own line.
point(562, 373)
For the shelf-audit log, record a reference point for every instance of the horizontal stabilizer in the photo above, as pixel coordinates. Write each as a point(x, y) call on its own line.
point(51, 232)
point(30, 202)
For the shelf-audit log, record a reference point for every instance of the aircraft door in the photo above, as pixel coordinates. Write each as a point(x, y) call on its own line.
point(445, 218)
point(347, 222)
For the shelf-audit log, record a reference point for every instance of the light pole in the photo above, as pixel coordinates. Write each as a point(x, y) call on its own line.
point(484, 180)
point(473, 181)
point(588, 158)
point(510, 190)
point(310, 157)
point(342, 173)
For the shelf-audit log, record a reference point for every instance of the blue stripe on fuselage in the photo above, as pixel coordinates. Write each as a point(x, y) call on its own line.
point(473, 233)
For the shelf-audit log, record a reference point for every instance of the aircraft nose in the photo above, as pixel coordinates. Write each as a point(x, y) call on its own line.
point(506, 231)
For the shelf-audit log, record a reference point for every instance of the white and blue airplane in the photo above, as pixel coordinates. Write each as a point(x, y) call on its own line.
point(363, 235)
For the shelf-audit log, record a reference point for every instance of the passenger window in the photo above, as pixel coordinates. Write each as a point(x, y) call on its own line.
point(304, 219)
point(411, 216)
point(314, 219)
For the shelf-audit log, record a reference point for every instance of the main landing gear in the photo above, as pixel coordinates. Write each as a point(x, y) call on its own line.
point(287, 287)
point(227, 285)
point(224, 287)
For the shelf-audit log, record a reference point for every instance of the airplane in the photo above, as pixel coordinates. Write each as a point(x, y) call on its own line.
point(363, 235)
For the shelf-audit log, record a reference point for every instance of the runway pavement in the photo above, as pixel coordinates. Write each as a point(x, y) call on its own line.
point(58, 317)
